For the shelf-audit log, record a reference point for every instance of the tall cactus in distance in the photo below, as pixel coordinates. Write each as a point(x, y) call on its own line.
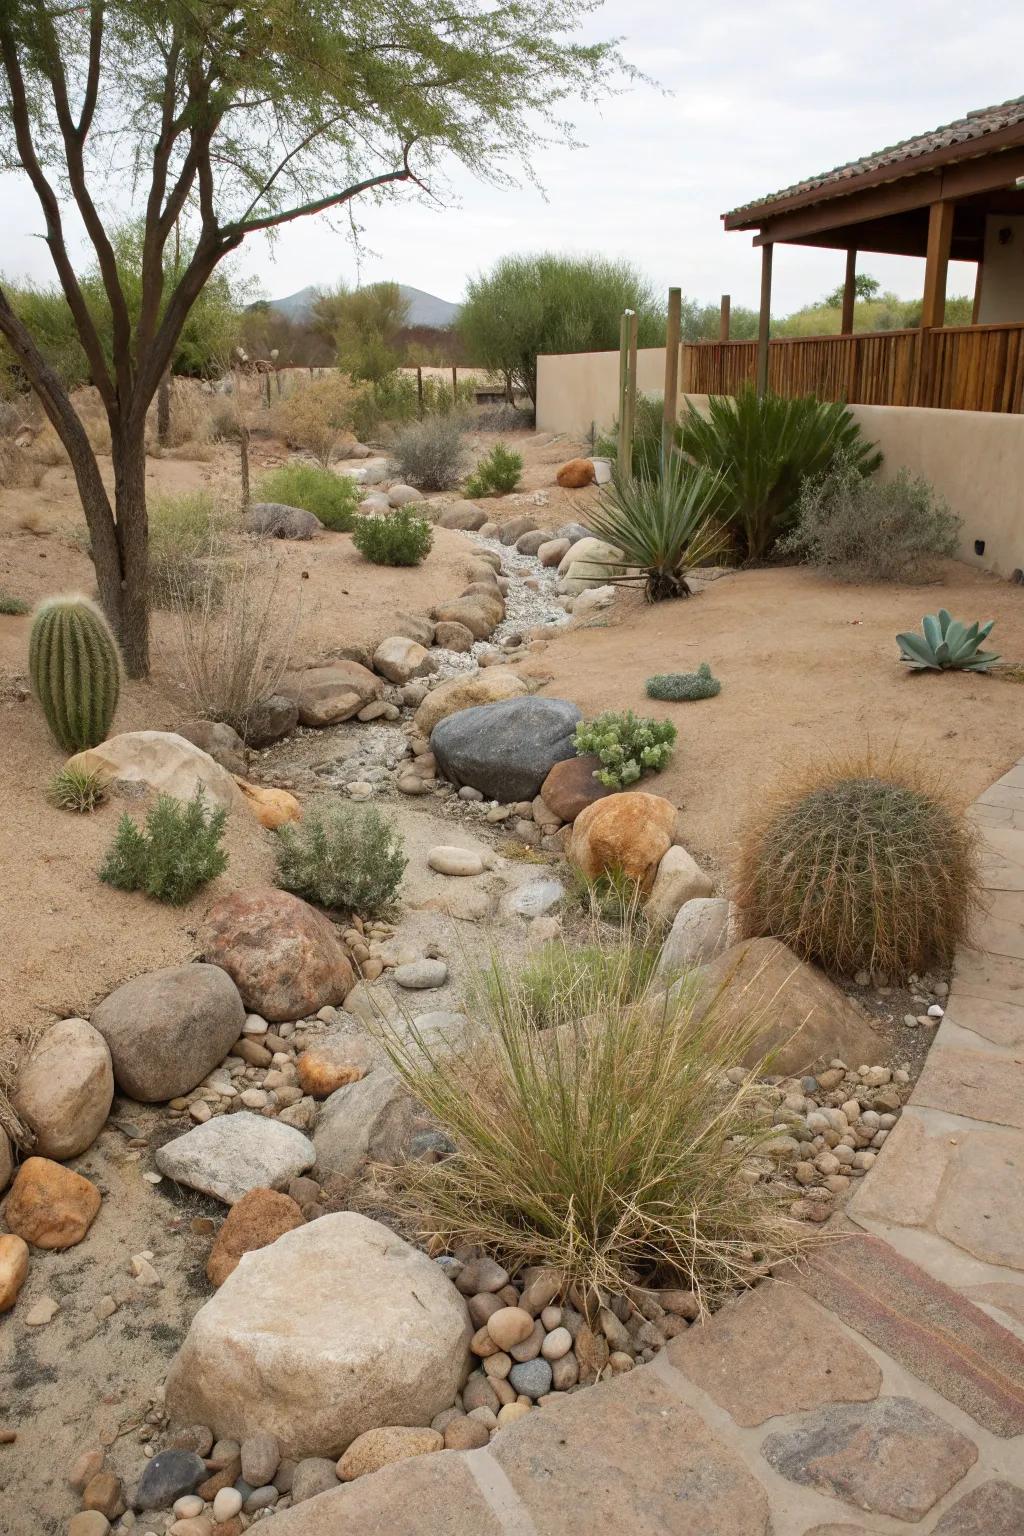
point(75, 668)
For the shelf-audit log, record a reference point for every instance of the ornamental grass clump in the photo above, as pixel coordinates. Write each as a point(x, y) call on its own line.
point(862, 866)
point(612, 1148)
point(683, 687)
point(342, 857)
point(77, 789)
point(628, 745)
point(173, 855)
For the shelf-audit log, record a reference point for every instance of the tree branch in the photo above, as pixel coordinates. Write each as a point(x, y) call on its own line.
point(245, 226)
point(92, 81)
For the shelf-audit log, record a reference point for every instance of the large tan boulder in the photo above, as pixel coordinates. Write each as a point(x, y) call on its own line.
point(50, 1206)
point(336, 1328)
point(286, 958)
point(679, 879)
point(65, 1089)
point(329, 694)
point(590, 549)
point(481, 610)
point(167, 1029)
point(164, 762)
point(399, 659)
point(457, 693)
point(462, 514)
point(628, 833)
point(806, 1019)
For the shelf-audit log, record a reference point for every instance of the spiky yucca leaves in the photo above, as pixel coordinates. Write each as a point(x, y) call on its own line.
point(75, 669)
point(861, 866)
point(665, 525)
point(764, 448)
point(612, 1147)
point(78, 789)
point(946, 645)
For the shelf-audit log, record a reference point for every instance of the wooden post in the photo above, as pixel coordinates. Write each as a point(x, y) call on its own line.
point(623, 372)
point(419, 388)
point(627, 462)
point(849, 293)
point(671, 411)
point(764, 320)
point(978, 281)
point(724, 317)
point(940, 237)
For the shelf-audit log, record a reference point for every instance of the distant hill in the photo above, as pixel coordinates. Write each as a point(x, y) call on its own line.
point(424, 308)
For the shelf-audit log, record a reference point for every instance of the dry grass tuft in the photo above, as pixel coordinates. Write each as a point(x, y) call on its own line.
point(862, 864)
point(612, 1147)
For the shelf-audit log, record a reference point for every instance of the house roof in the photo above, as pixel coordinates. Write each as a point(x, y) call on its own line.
point(988, 128)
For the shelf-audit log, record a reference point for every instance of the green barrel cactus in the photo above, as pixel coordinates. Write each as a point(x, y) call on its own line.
point(75, 668)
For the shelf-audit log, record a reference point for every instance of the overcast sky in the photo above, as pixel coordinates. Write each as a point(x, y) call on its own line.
point(764, 93)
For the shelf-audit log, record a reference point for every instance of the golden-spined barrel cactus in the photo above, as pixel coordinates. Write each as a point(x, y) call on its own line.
point(75, 668)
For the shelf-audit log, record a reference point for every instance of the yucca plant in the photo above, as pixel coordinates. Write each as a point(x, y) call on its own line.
point(665, 525)
point(78, 789)
point(763, 448)
point(947, 645)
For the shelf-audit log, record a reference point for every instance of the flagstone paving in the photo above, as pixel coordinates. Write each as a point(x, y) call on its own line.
point(877, 1389)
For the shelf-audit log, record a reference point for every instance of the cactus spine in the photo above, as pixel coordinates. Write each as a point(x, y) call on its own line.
point(75, 670)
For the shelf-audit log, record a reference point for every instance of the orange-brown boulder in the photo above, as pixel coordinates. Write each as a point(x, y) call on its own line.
point(333, 1062)
point(49, 1205)
point(629, 833)
point(271, 807)
point(570, 787)
point(286, 958)
point(576, 474)
point(13, 1269)
point(255, 1221)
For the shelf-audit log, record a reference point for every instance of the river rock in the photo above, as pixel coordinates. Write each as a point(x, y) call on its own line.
point(65, 1089)
point(258, 1218)
point(50, 1206)
point(450, 860)
point(377, 1448)
point(343, 1056)
point(480, 611)
point(270, 719)
point(336, 1328)
point(375, 1118)
point(421, 975)
point(285, 957)
point(326, 695)
point(451, 636)
point(459, 693)
point(552, 550)
point(630, 832)
point(514, 529)
point(275, 520)
point(222, 743)
point(169, 1476)
point(462, 514)
point(699, 932)
point(679, 879)
point(588, 563)
point(571, 786)
point(165, 762)
point(399, 659)
point(505, 749)
point(167, 1029)
point(13, 1268)
point(232, 1154)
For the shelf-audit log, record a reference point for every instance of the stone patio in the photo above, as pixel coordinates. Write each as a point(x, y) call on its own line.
point(878, 1389)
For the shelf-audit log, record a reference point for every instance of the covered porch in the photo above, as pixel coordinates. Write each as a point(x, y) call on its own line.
point(956, 193)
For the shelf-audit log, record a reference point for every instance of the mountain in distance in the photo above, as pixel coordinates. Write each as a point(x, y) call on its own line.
point(424, 308)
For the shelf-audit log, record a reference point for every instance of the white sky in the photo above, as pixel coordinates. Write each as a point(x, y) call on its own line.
point(764, 93)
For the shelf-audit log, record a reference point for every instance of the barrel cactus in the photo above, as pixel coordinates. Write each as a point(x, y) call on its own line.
point(75, 669)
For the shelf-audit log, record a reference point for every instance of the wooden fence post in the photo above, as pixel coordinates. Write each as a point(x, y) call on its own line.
point(724, 314)
point(670, 414)
point(632, 330)
point(623, 371)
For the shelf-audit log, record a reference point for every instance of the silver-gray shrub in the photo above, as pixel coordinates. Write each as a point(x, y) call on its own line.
point(430, 454)
point(864, 529)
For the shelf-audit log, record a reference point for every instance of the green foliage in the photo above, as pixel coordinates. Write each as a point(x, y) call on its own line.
point(364, 326)
point(395, 399)
point(547, 303)
point(681, 687)
point(77, 789)
point(861, 529)
point(665, 525)
point(946, 644)
point(861, 867)
point(628, 746)
point(330, 497)
point(430, 453)
point(176, 852)
point(864, 287)
point(185, 539)
point(343, 857)
point(611, 897)
point(883, 312)
point(763, 448)
point(396, 538)
point(496, 474)
point(612, 1148)
point(75, 670)
point(11, 606)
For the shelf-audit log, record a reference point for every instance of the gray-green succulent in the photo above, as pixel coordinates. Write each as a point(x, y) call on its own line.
point(945, 644)
point(681, 687)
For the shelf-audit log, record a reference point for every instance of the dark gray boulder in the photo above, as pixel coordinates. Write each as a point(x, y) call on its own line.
point(505, 750)
point(274, 520)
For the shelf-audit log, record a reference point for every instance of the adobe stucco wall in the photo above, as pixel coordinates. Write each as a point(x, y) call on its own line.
point(975, 459)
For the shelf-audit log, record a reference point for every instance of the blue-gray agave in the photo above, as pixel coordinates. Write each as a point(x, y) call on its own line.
point(947, 644)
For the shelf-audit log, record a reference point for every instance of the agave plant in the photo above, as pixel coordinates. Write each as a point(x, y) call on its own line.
point(764, 448)
point(665, 525)
point(946, 645)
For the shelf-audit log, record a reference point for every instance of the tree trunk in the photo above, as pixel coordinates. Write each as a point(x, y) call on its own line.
point(163, 409)
point(99, 518)
point(129, 455)
point(243, 455)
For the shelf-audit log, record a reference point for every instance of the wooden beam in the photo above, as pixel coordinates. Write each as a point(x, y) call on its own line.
point(764, 319)
point(849, 292)
point(978, 282)
point(724, 317)
point(671, 408)
point(940, 236)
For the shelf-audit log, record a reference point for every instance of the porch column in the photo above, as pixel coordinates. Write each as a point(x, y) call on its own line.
point(849, 293)
point(940, 237)
point(724, 312)
point(764, 319)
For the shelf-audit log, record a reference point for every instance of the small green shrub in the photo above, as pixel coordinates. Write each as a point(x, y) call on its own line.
point(681, 687)
point(12, 606)
point(430, 453)
point(628, 745)
point(496, 474)
point(176, 852)
point(395, 538)
point(330, 497)
point(185, 541)
point(77, 789)
point(946, 645)
point(860, 529)
point(342, 857)
point(861, 867)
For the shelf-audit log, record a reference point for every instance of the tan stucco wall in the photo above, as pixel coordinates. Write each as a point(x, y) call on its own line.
point(975, 459)
point(1002, 273)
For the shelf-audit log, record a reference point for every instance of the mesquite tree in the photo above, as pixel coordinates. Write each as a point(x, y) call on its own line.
point(229, 118)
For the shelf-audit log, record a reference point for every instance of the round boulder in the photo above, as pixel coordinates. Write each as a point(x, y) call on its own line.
point(462, 514)
point(574, 475)
point(336, 1328)
point(401, 495)
point(50, 1206)
point(463, 692)
point(505, 750)
point(166, 1030)
point(275, 520)
point(481, 611)
point(285, 958)
point(270, 719)
point(163, 761)
point(255, 1221)
point(398, 659)
point(452, 636)
point(630, 832)
point(65, 1089)
point(570, 787)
